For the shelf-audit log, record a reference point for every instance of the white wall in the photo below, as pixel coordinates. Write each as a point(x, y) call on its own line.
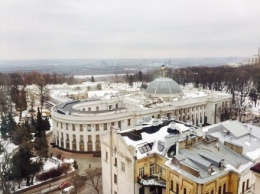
point(116, 148)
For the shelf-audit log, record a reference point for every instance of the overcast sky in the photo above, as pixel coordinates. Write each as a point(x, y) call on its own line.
point(62, 29)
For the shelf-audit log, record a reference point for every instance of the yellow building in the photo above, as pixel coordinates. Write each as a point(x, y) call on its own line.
point(175, 158)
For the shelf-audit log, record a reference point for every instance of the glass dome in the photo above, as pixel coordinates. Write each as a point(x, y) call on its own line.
point(163, 87)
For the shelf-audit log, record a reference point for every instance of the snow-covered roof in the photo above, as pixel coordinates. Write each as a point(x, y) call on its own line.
point(247, 136)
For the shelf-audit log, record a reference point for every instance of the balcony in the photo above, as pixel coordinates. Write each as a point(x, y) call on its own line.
point(153, 181)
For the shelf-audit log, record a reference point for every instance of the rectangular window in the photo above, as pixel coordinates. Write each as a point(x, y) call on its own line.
point(123, 166)
point(243, 187)
point(219, 189)
point(224, 188)
point(119, 124)
point(115, 178)
point(129, 122)
point(89, 138)
point(73, 127)
point(141, 172)
point(74, 137)
point(89, 108)
point(67, 127)
point(115, 164)
point(97, 108)
point(60, 125)
point(57, 124)
point(89, 127)
point(184, 191)
point(247, 184)
point(106, 156)
point(152, 169)
point(81, 127)
point(97, 127)
point(105, 126)
point(212, 191)
point(74, 146)
point(116, 105)
point(81, 138)
point(177, 188)
point(113, 124)
point(89, 146)
point(81, 146)
point(171, 186)
point(160, 170)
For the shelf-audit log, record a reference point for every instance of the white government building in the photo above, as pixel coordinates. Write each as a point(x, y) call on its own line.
point(78, 125)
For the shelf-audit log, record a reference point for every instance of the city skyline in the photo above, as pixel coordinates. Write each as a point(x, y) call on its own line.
point(114, 29)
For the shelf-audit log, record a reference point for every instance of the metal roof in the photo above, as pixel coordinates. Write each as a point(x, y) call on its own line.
point(196, 158)
point(236, 128)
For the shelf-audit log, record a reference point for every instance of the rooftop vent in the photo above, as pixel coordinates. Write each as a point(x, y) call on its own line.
point(225, 133)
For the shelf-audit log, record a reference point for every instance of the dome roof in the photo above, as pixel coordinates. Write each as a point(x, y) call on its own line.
point(163, 87)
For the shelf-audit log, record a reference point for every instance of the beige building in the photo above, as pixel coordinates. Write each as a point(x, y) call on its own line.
point(175, 158)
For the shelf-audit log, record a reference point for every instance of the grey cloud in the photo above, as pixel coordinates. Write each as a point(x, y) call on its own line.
point(123, 29)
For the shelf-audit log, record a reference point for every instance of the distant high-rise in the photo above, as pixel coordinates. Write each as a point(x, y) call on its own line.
point(255, 59)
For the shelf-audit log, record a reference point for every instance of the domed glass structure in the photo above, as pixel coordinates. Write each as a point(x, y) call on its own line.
point(163, 87)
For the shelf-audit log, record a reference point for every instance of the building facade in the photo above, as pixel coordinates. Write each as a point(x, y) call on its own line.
point(78, 125)
point(170, 160)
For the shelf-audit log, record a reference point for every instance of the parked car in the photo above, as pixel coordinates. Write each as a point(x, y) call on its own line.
point(68, 190)
point(64, 185)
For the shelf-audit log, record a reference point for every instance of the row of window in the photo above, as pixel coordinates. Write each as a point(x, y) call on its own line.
point(245, 186)
point(89, 138)
point(175, 188)
point(81, 145)
point(88, 127)
point(221, 189)
point(188, 109)
point(122, 165)
point(97, 108)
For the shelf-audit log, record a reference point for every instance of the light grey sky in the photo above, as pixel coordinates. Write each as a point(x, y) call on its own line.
point(60, 29)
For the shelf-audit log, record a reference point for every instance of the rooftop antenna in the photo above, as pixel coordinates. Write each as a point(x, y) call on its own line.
point(163, 70)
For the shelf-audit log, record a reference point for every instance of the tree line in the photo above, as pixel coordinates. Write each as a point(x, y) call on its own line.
point(241, 82)
point(29, 135)
point(28, 158)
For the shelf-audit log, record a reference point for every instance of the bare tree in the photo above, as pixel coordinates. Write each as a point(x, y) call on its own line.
point(93, 176)
point(43, 90)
